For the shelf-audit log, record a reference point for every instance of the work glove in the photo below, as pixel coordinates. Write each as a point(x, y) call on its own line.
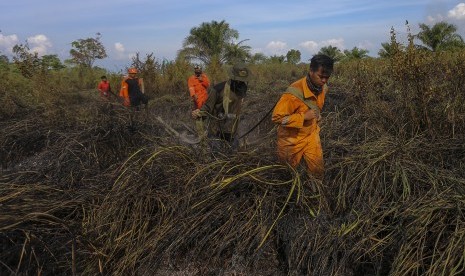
point(196, 114)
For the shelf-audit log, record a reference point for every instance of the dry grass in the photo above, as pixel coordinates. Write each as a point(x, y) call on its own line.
point(81, 193)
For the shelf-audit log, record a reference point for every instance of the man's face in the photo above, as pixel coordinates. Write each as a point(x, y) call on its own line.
point(132, 75)
point(319, 77)
point(197, 72)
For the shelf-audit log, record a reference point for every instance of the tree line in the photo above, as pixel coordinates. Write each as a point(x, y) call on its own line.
point(216, 43)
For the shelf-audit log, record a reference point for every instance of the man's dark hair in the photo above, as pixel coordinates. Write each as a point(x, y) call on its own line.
point(323, 61)
point(103, 77)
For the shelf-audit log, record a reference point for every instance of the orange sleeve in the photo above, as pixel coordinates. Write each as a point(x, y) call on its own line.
point(124, 92)
point(205, 81)
point(99, 87)
point(289, 112)
point(191, 85)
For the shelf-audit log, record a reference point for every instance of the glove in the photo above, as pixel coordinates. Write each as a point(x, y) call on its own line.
point(196, 114)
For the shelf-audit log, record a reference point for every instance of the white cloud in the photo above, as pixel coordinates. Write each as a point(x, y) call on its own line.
point(39, 44)
point(313, 47)
point(458, 12)
point(256, 50)
point(365, 45)
point(434, 18)
point(120, 51)
point(335, 42)
point(130, 56)
point(276, 48)
point(310, 46)
point(119, 47)
point(7, 42)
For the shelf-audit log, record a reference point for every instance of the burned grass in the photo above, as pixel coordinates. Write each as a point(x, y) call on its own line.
point(95, 189)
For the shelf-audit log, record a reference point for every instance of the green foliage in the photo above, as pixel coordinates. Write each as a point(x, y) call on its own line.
point(237, 51)
point(275, 59)
point(175, 74)
point(15, 92)
point(52, 62)
point(4, 59)
point(441, 36)
point(258, 58)
point(332, 52)
point(269, 77)
point(149, 70)
point(86, 51)
point(293, 56)
point(30, 84)
point(163, 77)
point(418, 86)
point(356, 53)
point(214, 42)
point(389, 50)
point(83, 185)
point(28, 63)
point(4, 63)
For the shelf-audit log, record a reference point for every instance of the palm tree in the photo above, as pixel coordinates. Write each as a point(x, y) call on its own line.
point(275, 59)
point(258, 58)
point(293, 56)
point(237, 51)
point(214, 42)
point(442, 36)
point(389, 49)
point(332, 52)
point(356, 53)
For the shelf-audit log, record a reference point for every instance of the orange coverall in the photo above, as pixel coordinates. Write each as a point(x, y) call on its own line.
point(124, 92)
point(104, 88)
point(298, 138)
point(199, 88)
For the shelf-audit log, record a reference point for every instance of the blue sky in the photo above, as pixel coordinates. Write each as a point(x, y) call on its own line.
point(160, 26)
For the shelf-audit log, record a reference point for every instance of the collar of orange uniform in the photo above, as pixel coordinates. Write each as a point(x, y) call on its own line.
point(307, 92)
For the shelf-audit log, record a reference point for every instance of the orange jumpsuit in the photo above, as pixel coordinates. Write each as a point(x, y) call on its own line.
point(298, 138)
point(199, 88)
point(125, 93)
point(104, 88)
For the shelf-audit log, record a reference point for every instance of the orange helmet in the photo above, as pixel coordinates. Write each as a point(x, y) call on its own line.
point(132, 71)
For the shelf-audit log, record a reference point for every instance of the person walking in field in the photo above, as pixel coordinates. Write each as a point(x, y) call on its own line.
point(223, 106)
point(198, 84)
point(297, 114)
point(104, 88)
point(132, 90)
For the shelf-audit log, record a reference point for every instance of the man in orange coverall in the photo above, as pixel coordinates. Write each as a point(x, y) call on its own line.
point(298, 113)
point(104, 88)
point(198, 84)
point(132, 90)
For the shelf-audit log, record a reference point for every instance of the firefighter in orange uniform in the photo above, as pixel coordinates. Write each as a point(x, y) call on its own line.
point(223, 107)
point(104, 88)
point(198, 84)
point(132, 90)
point(298, 112)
